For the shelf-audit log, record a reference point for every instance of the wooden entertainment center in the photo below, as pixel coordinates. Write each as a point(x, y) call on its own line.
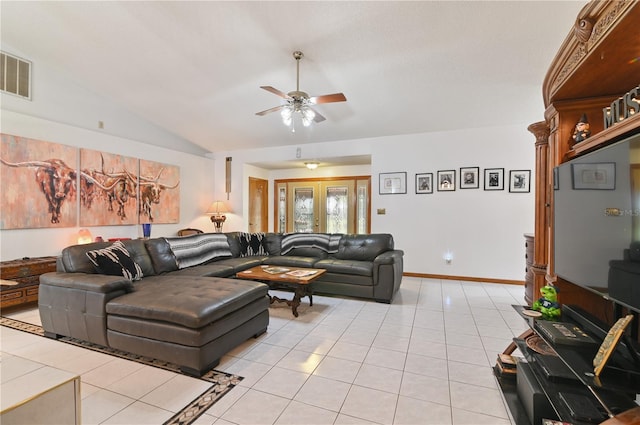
point(597, 67)
point(597, 64)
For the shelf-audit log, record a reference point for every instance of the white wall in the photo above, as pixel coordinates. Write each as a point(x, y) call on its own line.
point(196, 186)
point(482, 229)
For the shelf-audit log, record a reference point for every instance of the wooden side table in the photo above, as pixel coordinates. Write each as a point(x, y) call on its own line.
point(19, 279)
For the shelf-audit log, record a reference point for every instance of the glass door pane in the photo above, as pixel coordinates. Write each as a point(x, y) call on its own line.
point(337, 210)
point(304, 217)
point(362, 206)
point(282, 208)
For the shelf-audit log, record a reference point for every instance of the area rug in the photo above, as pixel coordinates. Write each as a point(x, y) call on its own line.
point(222, 382)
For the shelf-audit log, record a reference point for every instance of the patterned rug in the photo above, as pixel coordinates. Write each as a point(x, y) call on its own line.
point(222, 382)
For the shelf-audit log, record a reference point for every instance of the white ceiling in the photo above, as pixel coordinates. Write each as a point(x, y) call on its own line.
point(194, 68)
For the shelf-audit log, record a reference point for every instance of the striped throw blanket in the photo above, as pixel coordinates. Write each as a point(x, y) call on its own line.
point(197, 249)
point(327, 242)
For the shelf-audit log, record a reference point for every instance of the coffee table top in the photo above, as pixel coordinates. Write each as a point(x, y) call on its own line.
point(300, 275)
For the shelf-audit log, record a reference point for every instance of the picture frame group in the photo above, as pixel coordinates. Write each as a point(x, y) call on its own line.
point(519, 181)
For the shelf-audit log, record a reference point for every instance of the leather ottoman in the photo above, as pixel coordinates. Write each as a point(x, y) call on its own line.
point(191, 323)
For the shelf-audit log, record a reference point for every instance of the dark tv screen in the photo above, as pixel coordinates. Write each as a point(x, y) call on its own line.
point(596, 217)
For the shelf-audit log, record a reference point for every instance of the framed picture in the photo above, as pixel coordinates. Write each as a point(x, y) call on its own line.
point(424, 183)
point(469, 178)
point(494, 179)
point(446, 180)
point(599, 176)
point(392, 183)
point(519, 181)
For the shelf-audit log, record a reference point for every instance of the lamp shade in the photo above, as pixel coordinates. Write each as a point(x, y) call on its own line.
point(84, 236)
point(217, 208)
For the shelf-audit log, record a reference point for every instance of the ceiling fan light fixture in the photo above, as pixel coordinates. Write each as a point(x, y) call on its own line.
point(287, 115)
point(307, 116)
point(299, 101)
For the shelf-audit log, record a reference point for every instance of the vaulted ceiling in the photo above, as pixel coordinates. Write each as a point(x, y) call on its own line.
point(194, 68)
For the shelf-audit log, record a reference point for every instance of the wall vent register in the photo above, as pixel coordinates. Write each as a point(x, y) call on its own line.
point(15, 75)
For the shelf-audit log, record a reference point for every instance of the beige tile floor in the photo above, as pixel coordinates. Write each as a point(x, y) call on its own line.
point(424, 359)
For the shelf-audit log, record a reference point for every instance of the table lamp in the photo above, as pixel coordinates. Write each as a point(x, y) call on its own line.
point(217, 211)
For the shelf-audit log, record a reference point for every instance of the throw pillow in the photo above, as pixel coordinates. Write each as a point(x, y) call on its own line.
point(115, 260)
point(252, 244)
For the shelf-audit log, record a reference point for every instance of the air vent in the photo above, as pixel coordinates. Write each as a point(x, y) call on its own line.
point(15, 75)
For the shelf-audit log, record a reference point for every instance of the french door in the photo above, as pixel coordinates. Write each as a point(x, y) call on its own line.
point(340, 205)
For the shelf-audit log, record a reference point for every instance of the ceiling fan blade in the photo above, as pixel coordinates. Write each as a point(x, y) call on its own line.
point(275, 91)
point(318, 117)
point(328, 98)
point(265, 112)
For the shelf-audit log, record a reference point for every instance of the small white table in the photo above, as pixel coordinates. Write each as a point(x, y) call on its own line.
point(41, 395)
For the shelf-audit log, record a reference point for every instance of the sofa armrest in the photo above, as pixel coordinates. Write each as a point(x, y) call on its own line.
point(387, 274)
point(74, 304)
point(87, 281)
point(388, 257)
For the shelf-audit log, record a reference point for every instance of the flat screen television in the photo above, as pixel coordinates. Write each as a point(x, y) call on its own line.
point(596, 217)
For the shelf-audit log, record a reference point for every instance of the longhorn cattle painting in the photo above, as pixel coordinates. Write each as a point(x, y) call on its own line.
point(159, 193)
point(38, 184)
point(108, 189)
point(46, 184)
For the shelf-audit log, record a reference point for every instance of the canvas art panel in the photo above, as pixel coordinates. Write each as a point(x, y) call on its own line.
point(38, 184)
point(108, 189)
point(159, 192)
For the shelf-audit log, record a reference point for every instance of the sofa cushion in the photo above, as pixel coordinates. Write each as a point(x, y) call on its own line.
point(326, 243)
point(347, 267)
point(273, 242)
point(161, 255)
point(194, 302)
point(290, 261)
point(197, 249)
point(241, 263)
point(317, 253)
point(115, 260)
point(364, 247)
point(251, 244)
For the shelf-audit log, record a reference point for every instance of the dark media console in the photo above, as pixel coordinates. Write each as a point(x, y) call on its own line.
point(563, 386)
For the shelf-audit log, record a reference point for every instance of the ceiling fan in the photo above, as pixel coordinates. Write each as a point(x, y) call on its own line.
point(300, 102)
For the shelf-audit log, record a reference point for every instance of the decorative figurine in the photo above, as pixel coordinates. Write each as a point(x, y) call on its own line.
point(581, 131)
point(548, 304)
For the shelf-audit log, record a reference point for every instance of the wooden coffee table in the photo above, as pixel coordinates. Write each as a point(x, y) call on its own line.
point(297, 278)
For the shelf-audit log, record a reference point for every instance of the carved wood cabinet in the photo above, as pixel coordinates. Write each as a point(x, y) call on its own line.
point(20, 279)
point(596, 64)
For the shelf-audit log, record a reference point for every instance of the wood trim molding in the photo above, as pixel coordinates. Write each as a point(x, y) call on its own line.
point(471, 278)
point(594, 22)
point(320, 179)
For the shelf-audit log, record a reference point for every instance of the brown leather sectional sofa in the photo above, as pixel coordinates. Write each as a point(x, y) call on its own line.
point(191, 312)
